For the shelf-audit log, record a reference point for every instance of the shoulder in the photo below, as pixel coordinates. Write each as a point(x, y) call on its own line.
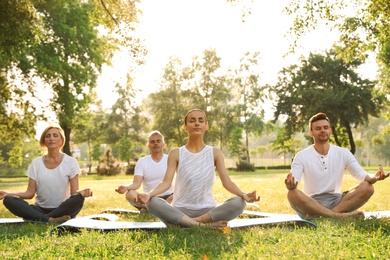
point(217, 152)
point(145, 158)
point(307, 150)
point(340, 150)
point(37, 160)
point(174, 151)
point(68, 158)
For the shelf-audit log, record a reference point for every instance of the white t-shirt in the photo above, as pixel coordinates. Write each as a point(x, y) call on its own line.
point(195, 179)
point(152, 172)
point(324, 173)
point(53, 185)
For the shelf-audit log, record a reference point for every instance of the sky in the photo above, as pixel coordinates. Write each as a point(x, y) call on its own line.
point(185, 28)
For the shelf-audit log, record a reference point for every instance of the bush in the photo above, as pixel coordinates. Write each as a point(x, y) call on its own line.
point(109, 165)
point(130, 169)
point(244, 166)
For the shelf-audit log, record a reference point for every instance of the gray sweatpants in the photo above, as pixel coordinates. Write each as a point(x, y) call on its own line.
point(164, 211)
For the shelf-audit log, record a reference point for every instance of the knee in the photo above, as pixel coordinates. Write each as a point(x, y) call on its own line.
point(292, 195)
point(295, 197)
point(131, 195)
point(239, 202)
point(153, 201)
point(8, 200)
point(368, 188)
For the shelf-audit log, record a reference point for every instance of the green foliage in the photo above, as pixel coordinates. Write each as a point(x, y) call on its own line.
point(235, 145)
point(169, 105)
point(97, 152)
point(108, 166)
point(231, 99)
point(125, 124)
point(18, 24)
point(325, 83)
point(55, 46)
point(130, 168)
point(243, 166)
point(68, 58)
point(363, 25)
point(125, 149)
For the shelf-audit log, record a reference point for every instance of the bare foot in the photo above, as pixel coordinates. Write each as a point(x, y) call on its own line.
point(59, 219)
point(355, 213)
point(217, 224)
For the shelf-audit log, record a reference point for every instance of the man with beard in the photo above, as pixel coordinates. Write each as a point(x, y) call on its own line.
point(321, 167)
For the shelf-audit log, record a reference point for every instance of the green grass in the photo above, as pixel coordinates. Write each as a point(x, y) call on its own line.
point(333, 239)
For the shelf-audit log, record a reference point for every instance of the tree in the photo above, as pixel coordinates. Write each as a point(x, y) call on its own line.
point(285, 145)
point(170, 103)
point(57, 44)
point(249, 95)
point(125, 124)
point(209, 91)
point(366, 30)
point(18, 27)
point(88, 129)
point(325, 83)
point(68, 58)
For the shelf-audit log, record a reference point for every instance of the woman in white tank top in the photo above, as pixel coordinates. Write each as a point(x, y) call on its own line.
point(193, 201)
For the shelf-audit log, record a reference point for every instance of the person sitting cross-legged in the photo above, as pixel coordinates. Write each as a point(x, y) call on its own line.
point(322, 166)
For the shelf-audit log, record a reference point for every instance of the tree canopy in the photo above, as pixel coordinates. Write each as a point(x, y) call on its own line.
point(325, 83)
point(51, 53)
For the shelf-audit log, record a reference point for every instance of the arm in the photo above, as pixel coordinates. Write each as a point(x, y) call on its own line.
point(227, 183)
point(74, 187)
point(28, 194)
point(165, 184)
point(137, 181)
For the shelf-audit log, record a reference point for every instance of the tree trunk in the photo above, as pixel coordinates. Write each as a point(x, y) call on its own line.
point(248, 159)
point(336, 139)
point(350, 137)
point(66, 148)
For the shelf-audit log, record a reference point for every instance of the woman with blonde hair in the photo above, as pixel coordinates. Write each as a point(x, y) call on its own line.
point(53, 178)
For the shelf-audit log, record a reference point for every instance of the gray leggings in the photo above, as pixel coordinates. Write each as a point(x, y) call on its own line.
point(164, 211)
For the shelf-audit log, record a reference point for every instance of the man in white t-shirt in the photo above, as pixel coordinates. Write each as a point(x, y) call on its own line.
point(322, 166)
point(149, 171)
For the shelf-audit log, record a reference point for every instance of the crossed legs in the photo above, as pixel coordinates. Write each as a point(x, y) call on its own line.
point(356, 197)
point(65, 211)
point(217, 217)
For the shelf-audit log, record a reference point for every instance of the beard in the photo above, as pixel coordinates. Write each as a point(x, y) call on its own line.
point(322, 139)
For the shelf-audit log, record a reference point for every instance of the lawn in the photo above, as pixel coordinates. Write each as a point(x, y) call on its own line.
point(333, 239)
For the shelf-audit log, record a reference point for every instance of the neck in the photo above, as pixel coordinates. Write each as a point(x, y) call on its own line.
point(54, 154)
point(157, 156)
point(195, 145)
point(322, 148)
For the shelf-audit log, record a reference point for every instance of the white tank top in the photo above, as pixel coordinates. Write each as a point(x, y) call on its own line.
point(195, 179)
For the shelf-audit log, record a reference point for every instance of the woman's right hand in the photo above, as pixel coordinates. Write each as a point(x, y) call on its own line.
point(86, 193)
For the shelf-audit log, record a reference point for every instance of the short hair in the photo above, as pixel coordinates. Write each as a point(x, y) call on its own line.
point(192, 110)
point(156, 132)
point(317, 117)
point(56, 126)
